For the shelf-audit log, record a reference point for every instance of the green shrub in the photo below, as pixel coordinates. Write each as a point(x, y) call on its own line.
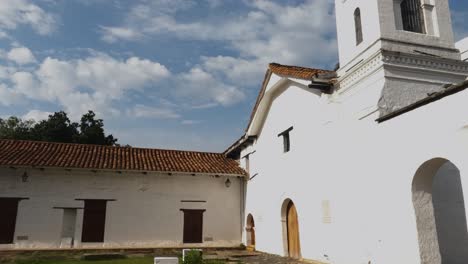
point(193, 257)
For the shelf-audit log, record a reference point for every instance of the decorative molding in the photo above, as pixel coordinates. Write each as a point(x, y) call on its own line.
point(398, 59)
point(360, 71)
point(425, 62)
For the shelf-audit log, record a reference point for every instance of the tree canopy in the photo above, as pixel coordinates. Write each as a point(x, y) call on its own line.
point(58, 128)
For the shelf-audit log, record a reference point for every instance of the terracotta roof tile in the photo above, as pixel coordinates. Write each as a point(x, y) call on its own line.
point(295, 71)
point(64, 155)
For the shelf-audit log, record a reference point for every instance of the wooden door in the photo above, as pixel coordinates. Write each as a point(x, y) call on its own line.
point(294, 245)
point(250, 232)
point(193, 226)
point(94, 221)
point(8, 212)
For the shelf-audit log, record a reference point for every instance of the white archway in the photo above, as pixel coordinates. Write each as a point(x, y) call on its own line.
point(440, 213)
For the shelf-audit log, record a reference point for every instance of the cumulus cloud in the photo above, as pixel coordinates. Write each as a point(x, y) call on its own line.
point(106, 84)
point(14, 13)
point(198, 84)
point(21, 55)
point(152, 112)
point(113, 34)
point(264, 31)
point(95, 82)
point(8, 96)
point(36, 115)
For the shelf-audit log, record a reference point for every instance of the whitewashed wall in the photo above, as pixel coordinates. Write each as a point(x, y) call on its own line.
point(362, 169)
point(145, 213)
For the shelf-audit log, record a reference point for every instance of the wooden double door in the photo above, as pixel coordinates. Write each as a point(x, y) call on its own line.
point(294, 244)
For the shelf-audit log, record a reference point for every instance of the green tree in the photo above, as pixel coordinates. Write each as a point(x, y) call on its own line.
point(92, 131)
point(15, 128)
point(57, 128)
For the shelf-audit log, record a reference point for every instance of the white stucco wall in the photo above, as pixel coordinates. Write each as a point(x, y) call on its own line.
point(462, 45)
point(362, 169)
point(145, 213)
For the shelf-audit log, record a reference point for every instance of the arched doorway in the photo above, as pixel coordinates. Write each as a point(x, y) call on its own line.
point(250, 228)
point(291, 230)
point(440, 213)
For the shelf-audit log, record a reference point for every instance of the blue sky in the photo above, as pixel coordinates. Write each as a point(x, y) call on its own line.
point(179, 74)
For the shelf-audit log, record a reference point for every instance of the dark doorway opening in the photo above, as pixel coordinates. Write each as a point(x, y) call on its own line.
point(193, 226)
point(94, 221)
point(8, 214)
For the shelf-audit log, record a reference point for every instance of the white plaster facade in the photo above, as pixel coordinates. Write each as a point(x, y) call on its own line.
point(145, 210)
point(359, 185)
point(362, 169)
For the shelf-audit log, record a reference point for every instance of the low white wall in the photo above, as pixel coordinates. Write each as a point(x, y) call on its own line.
point(145, 213)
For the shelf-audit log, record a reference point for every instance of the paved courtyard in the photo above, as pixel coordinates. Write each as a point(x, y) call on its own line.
point(270, 259)
point(247, 257)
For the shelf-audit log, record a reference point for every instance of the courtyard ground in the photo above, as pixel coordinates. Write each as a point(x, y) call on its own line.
point(137, 257)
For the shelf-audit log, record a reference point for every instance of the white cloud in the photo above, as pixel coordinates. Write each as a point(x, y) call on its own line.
point(36, 115)
point(191, 122)
point(21, 55)
point(113, 34)
point(8, 96)
point(24, 12)
point(152, 112)
point(92, 83)
point(106, 85)
point(6, 72)
point(266, 31)
point(198, 85)
point(215, 3)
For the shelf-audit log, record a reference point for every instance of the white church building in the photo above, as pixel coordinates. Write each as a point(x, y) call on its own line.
point(368, 163)
point(364, 164)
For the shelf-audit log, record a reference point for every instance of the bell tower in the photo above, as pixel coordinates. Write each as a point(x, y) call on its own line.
point(395, 52)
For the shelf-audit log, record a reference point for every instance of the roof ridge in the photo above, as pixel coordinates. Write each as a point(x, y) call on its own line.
point(104, 146)
point(295, 66)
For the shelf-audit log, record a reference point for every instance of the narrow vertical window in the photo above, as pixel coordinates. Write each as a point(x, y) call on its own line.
point(412, 16)
point(358, 26)
point(8, 212)
point(94, 221)
point(286, 139)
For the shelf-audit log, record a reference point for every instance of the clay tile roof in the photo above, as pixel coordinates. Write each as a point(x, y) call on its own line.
point(78, 156)
point(295, 71)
